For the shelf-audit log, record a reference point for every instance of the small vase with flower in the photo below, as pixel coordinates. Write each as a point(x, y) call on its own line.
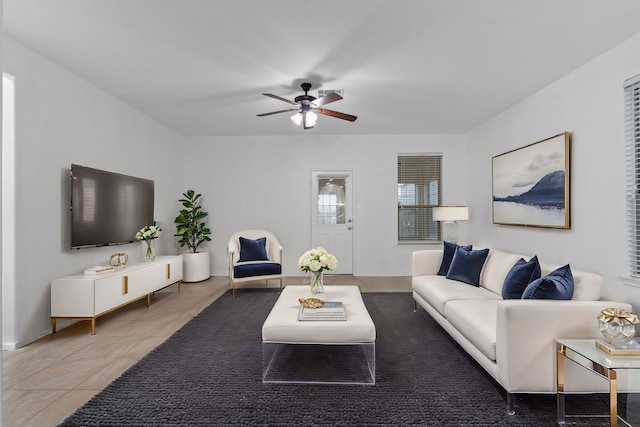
point(316, 261)
point(148, 233)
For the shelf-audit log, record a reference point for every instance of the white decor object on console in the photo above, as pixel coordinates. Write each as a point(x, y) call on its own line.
point(88, 297)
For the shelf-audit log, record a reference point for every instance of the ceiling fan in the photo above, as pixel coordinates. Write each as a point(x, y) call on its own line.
point(307, 106)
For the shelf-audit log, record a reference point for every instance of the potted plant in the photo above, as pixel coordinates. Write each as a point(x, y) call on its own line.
point(192, 231)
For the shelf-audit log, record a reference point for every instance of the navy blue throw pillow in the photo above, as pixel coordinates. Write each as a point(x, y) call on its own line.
point(467, 265)
point(449, 250)
point(519, 277)
point(556, 285)
point(253, 250)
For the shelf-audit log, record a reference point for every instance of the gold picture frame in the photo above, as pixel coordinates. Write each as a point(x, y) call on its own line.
point(531, 184)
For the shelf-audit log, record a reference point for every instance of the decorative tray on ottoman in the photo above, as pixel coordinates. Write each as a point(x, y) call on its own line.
point(311, 302)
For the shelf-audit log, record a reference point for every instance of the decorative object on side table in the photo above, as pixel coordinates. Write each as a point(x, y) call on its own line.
point(119, 259)
point(192, 231)
point(148, 233)
point(617, 325)
point(316, 261)
point(631, 348)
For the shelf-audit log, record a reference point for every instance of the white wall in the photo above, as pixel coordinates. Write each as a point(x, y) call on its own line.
point(265, 183)
point(589, 104)
point(62, 119)
point(247, 182)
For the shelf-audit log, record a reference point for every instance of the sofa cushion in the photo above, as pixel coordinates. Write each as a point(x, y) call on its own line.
point(586, 286)
point(476, 320)
point(438, 290)
point(449, 250)
point(251, 269)
point(253, 250)
point(519, 277)
point(467, 265)
point(496, 268)
point(556, 285)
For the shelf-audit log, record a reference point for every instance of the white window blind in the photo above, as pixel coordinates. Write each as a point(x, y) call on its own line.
point(632, 138)
point(419, 190)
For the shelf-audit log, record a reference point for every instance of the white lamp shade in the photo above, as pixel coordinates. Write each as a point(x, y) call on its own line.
point(297, 118)
point(451, 213)
point(310, 119)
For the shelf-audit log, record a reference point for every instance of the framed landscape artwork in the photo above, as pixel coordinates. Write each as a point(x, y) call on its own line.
point(531, 184)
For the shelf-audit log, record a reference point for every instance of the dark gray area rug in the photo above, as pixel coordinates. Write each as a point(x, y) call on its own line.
point(209, 374)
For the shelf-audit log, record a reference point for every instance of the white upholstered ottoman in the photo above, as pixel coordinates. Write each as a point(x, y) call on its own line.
point(323, 351)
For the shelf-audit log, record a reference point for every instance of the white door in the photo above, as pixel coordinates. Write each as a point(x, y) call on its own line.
point(332, 220)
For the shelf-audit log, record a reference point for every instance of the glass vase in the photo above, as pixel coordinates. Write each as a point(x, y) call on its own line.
point(617, 325)
point(149, 254)
point(616, 332)
point(317, 282)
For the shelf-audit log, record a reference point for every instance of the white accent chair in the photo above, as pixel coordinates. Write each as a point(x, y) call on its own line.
point(245, 266)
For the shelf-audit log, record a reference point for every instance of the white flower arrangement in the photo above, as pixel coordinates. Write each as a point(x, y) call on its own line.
point(148, 232)
point(315, 260)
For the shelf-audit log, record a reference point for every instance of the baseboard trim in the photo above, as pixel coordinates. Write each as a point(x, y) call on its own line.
point(11, 346)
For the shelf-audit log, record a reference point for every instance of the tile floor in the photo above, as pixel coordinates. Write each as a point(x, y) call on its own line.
point(48, 380)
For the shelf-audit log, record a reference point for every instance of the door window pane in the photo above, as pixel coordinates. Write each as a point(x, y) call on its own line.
point(331, 200)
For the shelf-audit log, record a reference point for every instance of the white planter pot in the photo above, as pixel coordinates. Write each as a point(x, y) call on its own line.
point(196, 267)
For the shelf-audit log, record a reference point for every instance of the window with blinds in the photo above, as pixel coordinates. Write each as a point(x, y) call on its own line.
point(419, 190)
point(632, 138)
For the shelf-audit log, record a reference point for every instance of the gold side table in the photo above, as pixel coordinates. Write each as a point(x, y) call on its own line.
point(585, 353)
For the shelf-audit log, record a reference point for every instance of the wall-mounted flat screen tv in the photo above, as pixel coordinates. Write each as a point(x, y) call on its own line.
point(108, 208)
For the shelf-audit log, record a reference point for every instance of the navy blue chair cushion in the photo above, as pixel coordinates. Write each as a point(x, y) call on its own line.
point(253, 250)
point(449, 250)
point(256, 269)
point(556, 285)
point(519, 277)
point(467, 265)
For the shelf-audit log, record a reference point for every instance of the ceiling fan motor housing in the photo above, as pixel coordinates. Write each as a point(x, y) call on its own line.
point(306, 97)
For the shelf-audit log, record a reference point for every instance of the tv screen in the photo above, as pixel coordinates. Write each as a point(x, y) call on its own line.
point(108, 208)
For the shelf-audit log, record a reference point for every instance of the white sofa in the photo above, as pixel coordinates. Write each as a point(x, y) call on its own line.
point(513, 340)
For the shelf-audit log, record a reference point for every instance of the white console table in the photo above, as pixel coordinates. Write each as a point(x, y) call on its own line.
point(83, 297)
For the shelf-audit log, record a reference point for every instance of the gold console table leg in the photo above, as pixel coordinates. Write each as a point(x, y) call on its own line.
point(561, 412)
point(613, 398)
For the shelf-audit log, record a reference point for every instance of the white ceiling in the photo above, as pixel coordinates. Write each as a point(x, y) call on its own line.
point(406, 66)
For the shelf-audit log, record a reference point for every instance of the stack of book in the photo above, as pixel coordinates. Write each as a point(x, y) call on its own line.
point(631, 348)
point(98, 269)
point(331, 310)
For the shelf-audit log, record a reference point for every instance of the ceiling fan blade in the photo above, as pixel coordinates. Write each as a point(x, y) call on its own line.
point(337, 114)
point(331, 97)
point(288, 101)
point(278, 112)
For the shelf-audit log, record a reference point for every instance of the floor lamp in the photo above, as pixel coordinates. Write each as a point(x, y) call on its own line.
point(448, 216)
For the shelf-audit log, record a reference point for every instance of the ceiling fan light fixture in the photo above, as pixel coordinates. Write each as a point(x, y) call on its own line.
point(310, 119)
point(297, 118)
